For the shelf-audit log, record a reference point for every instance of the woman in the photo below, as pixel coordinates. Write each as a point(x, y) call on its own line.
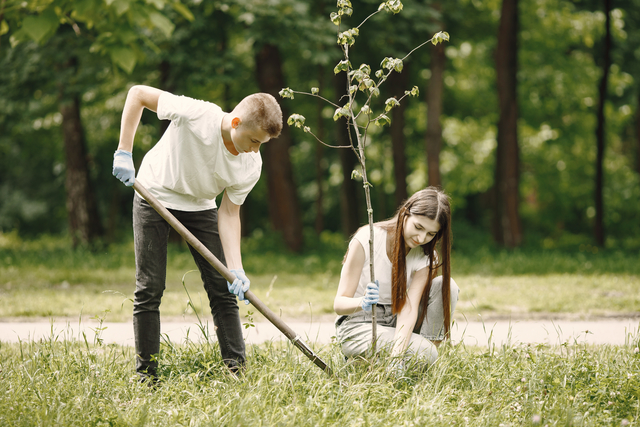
point(414, 307)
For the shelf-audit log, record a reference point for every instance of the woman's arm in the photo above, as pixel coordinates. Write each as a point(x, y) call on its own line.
point(407, 317)
point(344, 302)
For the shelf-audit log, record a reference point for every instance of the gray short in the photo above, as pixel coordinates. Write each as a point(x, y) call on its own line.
point(354, 331)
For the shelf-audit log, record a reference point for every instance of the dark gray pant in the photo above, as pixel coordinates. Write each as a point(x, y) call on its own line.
point(151, 233)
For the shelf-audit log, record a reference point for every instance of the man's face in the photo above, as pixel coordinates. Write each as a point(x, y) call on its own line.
point(247, 138)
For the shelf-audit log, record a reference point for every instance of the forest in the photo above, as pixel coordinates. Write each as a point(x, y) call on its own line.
point(528, 116)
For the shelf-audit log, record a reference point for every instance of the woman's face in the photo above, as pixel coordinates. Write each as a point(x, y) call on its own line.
point(419, 230)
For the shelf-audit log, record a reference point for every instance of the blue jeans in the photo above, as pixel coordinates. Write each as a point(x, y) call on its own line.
point(151, 233)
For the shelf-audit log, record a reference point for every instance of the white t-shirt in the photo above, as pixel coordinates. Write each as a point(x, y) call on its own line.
point(416, 260)
point(190, 165)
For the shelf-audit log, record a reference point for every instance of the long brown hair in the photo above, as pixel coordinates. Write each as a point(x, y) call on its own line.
point(434, 204)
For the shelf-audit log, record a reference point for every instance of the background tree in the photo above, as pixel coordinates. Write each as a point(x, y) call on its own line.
point(507, 226)
point(71, 29)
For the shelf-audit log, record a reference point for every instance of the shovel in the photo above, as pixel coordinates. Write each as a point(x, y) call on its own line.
point(259, 305)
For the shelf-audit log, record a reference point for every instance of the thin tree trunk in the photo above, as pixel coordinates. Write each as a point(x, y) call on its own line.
point(319, 223)
point(349, 206)
point(599, 225)
point(508, 228)
point(398, 83)
point(84, 222)
point(433, 138)
point(284, 210)
point(638, 134)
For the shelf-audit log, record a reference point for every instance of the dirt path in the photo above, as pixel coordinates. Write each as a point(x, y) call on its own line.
point(498, 332)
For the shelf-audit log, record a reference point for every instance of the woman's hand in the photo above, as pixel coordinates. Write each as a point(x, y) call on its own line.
point(371, 296)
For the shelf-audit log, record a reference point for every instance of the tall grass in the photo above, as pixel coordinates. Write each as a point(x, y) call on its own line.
point(58, 382)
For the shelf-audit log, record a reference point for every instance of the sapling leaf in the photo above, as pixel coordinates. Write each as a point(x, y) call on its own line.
point(353, 89)
point(296, 120)
point(355, 174)
point(393, 6)
point(415, 91)
point(348, 37)
point(341, 112)
point(315, 90)
point(365, 69)
point(379, 73)
point(374, 91)
point(286, 93)
point(398, 65)
point(390, 103)
point(335, 18)
point(306, 129)
point(440, 37)
point(382, 120)
point(365, 109)
point(343, 65)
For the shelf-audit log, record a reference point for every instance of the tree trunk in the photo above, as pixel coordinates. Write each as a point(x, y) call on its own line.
point(507, 220)
point(349, 206)
point(319, 223)
point(599, 225)
point(398, 84)
point(84, 222)
point(638, 134)
point(433, 138)
point(284, 210)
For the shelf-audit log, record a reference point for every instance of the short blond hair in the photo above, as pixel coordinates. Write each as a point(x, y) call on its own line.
point(262, 111)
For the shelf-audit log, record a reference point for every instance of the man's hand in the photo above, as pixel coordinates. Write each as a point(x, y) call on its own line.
point(371, 296)
point(240, 285)
point(123, 168)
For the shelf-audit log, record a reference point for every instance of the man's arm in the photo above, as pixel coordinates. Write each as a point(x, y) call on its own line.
point(138, 98)
point(229, 229)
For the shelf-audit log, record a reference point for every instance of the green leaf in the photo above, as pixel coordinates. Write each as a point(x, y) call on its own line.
point(398, 65)
point(41, 26)
point(379, 73)
point(390, 104)
point(315, 90)
point(343, 65)
point(374, 91)
point(296, 120)
point(124, 57)
point(440, 37)
point(4, 27)
point(163, 23)
point(306, 129)
point(382, 120)
point(353, 89)
point(184, 11)
point(121, 6)
point(159, 4)
point(286, 93)
point(393, 6)
point(355, 174)
point(335, 18)
point(365, 109)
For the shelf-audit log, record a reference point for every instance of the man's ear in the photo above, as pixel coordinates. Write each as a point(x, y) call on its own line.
point(235, 122)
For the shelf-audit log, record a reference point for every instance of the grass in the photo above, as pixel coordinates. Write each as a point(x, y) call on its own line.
point(54, 382)
point(45, 278)
point(62, 381)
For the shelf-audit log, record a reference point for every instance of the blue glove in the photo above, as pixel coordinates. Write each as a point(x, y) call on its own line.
point(123, 168)
point(371, 296)
point(240, 285)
